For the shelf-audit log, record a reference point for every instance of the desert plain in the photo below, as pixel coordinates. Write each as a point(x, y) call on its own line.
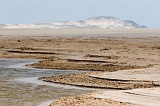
point(127, 61)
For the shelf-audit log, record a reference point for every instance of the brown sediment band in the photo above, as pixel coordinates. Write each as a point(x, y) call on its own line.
point(83, 80)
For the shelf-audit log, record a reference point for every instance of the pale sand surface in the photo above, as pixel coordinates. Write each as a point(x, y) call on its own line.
point(140, 97)
point(103, 51)
point(148, 74)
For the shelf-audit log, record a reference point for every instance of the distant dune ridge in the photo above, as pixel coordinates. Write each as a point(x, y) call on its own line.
point(94, 22)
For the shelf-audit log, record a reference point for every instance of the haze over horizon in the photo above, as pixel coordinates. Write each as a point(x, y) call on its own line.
point(143, 12)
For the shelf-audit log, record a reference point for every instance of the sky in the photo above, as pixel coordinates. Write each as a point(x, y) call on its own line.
point(143, 12)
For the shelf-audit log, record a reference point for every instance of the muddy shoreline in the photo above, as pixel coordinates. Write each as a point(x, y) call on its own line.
point(20, 85)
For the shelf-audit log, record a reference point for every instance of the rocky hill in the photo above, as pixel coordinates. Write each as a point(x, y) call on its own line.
point(94, 22)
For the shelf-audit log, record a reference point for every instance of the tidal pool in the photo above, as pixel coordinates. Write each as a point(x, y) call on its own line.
point(19, 85)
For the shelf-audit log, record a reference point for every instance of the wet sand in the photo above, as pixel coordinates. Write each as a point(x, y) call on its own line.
point(100, 52)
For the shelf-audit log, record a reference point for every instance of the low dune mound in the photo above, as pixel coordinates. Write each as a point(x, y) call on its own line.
point(84, 100)
point(85, 65)
point(84, 80)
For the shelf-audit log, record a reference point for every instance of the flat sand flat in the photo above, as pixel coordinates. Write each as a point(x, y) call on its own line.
point(140, 97)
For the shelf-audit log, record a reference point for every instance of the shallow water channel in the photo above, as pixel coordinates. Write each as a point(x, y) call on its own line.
point(19, 85)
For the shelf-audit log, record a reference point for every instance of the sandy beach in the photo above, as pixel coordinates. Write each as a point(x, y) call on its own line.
point(111, 59)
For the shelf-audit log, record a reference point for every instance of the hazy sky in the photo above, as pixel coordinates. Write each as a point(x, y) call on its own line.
point(145, 12)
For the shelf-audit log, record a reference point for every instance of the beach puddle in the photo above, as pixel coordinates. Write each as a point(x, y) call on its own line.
point(19, 85)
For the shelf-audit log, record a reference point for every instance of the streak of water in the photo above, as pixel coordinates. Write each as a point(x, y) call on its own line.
point(19, 85)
